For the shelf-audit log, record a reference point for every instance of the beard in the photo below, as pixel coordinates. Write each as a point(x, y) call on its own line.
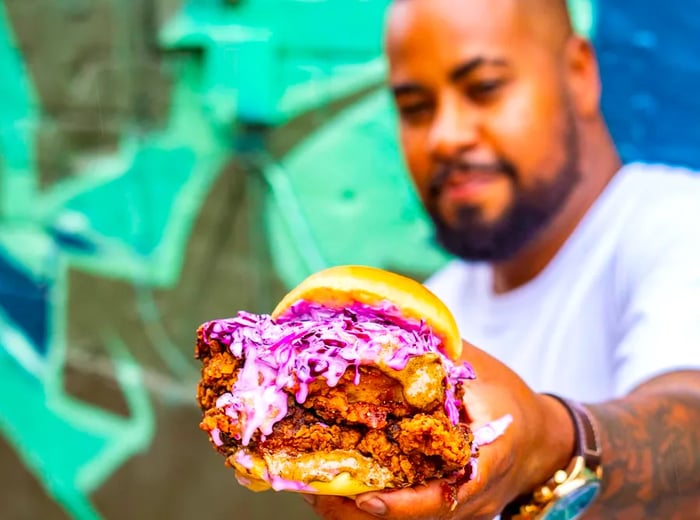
point(471, 238)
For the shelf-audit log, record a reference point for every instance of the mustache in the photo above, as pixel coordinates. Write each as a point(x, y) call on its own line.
point(447, 169)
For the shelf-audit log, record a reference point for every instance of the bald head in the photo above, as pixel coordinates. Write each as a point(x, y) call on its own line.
point(547, 21)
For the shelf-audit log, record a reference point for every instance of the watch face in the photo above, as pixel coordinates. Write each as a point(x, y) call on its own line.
point(572, 506)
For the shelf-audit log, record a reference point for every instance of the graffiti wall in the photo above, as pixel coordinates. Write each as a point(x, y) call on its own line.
point(164, 162)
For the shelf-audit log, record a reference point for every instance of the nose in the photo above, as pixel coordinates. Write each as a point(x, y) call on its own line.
point(455, 130)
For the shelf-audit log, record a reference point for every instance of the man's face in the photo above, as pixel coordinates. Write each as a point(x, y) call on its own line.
point(486, 126)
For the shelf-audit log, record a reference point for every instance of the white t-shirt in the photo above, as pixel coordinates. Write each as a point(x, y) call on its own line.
point(619, 304)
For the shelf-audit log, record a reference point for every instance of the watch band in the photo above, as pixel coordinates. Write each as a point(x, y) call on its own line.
point(587, 440)
point(586, 447)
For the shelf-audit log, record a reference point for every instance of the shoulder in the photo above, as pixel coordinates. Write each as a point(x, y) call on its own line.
point(659, 186)
point(656, 272)
point(662, 224)
point(662, 203)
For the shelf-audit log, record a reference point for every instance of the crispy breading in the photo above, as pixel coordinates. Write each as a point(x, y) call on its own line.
point(219, 373)
point(435, 436)
point(371, 402)
point(203, 349)
point(302, 432)
point(229, 431)
point(420, 447)
point(219, 370)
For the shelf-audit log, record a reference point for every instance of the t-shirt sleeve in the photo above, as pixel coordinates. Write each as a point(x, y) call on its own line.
point(658, 271)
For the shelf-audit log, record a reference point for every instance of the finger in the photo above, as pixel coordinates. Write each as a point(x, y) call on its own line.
point(336, 508)
point(434, 499)
point(418, 502)
point(429, 501)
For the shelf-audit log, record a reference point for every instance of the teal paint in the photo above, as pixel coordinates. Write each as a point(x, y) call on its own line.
point(342, 196)
point(131, 212)
point(18, 120)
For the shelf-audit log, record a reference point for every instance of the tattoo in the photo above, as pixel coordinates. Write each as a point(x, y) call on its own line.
point(651, 450)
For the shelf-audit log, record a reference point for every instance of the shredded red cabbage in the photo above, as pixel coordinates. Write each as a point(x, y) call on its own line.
point(311, 341)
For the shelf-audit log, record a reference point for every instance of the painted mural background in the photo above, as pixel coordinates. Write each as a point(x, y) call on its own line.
point(164, 162)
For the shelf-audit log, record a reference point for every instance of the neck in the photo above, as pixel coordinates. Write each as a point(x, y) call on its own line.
point(599, 164)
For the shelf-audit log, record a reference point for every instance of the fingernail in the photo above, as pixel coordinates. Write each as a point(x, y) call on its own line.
point(373, 506)
point(309, 499)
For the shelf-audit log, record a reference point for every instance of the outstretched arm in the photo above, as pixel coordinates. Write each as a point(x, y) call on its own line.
point(651, 450)
point(650, 440)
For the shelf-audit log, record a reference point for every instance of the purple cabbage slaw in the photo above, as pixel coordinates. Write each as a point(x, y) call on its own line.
point(310, 341)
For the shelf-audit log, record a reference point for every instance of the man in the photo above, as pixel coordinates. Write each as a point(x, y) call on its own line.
point(578, 274)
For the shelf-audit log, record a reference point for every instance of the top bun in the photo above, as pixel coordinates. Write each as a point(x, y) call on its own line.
point(340, 286)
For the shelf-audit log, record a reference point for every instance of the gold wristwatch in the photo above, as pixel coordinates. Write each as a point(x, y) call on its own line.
point(570, 492)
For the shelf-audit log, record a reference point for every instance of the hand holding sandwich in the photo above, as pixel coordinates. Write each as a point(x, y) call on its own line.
point(537, 443)
point(358, 383)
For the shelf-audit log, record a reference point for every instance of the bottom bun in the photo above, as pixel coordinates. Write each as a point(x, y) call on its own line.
point(338, 472)
point(343, 485)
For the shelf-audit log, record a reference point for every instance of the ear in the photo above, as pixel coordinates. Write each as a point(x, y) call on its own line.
point(583, 77)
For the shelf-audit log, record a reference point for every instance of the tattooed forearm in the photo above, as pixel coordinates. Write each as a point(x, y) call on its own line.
point(651, 449)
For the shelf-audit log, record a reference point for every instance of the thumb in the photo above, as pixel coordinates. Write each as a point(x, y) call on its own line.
point(415, 503)
point(421, 502)
point(436, 499)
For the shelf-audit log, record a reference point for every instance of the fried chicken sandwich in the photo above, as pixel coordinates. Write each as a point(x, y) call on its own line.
point(350, 385)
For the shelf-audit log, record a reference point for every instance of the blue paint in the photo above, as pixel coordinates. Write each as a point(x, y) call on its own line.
point(72, 241)
point(26, 302)
point(648, 56)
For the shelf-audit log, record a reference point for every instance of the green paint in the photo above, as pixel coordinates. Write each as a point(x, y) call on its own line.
point(584, 16)
point(18, 120)
point(136, 207)
point(268, 61)
point(351, 191)
point(85, 444)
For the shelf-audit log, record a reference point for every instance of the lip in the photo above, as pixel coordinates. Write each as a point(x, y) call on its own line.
point(469, 186)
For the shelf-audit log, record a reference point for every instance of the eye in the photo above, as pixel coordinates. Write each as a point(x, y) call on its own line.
point(484, 90)
point(416, 111)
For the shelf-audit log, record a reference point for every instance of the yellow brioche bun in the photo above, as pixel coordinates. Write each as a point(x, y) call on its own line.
point(341, 486)
point(340, 286)
point(341, 470)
